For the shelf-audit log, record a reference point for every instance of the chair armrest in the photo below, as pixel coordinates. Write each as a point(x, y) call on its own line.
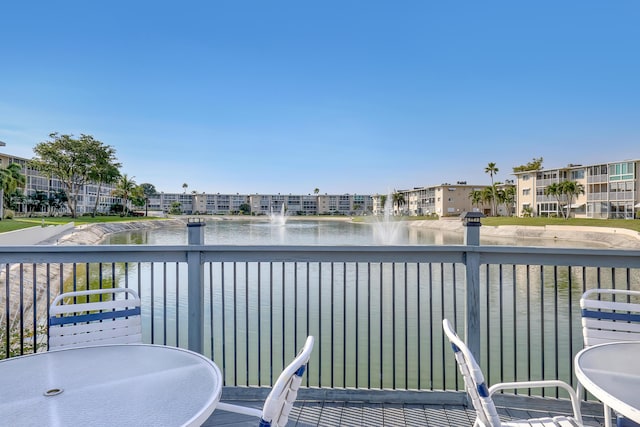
point(575, 401)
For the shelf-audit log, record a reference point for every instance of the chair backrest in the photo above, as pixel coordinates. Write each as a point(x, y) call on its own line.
point(473, 379)
point(94, 317)
point(285, 391)
point(609, 315)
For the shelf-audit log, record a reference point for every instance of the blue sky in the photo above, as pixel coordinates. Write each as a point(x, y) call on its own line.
point(345, 96)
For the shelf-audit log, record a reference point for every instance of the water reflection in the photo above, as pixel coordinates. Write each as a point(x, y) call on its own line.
point(322, 232)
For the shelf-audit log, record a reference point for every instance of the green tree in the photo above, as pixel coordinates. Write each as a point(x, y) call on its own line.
point(125, 189)
point(38, 201)
point(137, 197)
point(492, 170)
point(571, 189)
point(17, 198)
point(245, 209)
point(11, 179)
point(383, 202)
point(534, 165)
point(149, 190)
point(527, 212)
point(57, 201)
point(175, 208)
point(509, 198)
point(476, 197)
point(184, 187)
point(71, 160)
point(398, 199)
point(105, 170)
point(554, 190)
point(488, 195)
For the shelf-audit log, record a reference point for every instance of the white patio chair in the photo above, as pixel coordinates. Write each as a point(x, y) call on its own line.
point(279, 402)
point(100, 316)
point(610, 320)
point(487, 415)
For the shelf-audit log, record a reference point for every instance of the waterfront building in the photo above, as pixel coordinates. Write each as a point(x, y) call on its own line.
point(37, 182)
point(439, 200)
point(611, 190)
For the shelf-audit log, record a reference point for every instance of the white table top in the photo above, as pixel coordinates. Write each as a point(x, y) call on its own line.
point(133, 384)
point(611, 372)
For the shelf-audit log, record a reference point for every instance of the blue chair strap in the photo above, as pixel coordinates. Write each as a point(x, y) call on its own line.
point(300, 371)
point(93, 317)
point(483, 391)
point(264, 423)
point(608, 315)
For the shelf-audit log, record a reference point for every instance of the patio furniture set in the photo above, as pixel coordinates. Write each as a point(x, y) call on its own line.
point(607, 366)
point(97, 371)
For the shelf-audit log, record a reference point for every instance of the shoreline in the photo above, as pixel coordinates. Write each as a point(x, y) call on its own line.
point(608, 237)
point(604, 237)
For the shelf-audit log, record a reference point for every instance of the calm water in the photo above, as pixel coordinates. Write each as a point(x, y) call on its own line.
point(165, 301)
point(319, 232)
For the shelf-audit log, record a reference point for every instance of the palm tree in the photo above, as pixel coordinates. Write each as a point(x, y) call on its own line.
point(492, 169)
point(383, 202)
point(11, 178)
point(554, 190)
point(316, 191)
point(148, 190)
point(510, 198)
point(125, 189)
point(476, 197)
point(184, 187)
point(488, 195)
point(501, 198)
point(571, 189)
point(398, 199)
point(57, 200)
point(105, 170)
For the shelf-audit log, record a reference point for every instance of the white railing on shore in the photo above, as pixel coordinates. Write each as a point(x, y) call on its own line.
point(375, 311)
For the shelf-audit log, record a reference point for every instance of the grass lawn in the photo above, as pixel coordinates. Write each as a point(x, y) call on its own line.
point(18, 223)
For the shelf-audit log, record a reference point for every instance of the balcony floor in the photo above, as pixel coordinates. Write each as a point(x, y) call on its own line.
point(324, 413)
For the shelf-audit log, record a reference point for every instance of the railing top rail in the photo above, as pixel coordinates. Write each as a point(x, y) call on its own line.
point(310, 253)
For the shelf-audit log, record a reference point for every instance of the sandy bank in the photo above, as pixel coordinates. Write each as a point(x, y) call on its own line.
point(89, 234)
point(620, 238)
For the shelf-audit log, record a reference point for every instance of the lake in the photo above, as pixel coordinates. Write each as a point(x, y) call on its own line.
point(239, 298)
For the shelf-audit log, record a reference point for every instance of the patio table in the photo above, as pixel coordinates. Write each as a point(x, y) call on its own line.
point(132, 384)
point(611, 373)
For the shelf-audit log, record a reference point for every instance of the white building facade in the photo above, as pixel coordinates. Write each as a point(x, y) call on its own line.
point(610, 191)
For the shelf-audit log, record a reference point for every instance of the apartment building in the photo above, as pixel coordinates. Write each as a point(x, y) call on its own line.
point(440, 200)
point(87, 197)
point(263, 204)
point(610, 191)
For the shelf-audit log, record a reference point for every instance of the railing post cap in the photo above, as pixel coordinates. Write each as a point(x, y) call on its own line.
point(471, 219)
point(195, 222)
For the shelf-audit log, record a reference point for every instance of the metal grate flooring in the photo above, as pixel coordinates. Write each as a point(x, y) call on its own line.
point(323, 413)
